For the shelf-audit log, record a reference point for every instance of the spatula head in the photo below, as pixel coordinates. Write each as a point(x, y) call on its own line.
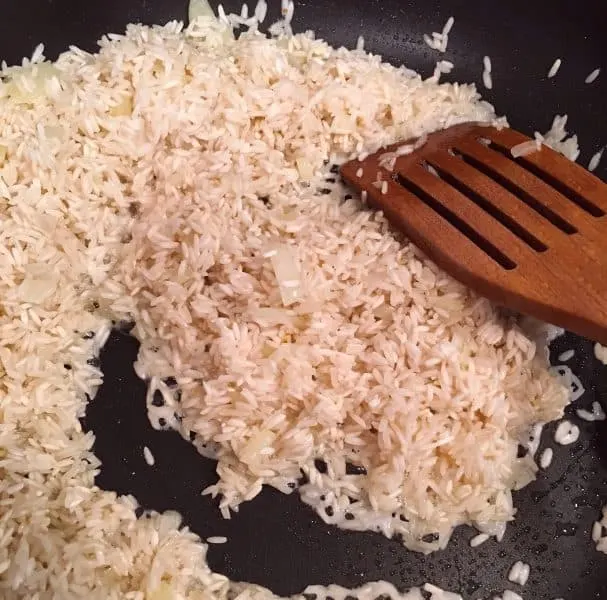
point(528, 231)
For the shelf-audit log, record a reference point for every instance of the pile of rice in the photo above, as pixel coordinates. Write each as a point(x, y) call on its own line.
point(296, 326)
point(182, 180)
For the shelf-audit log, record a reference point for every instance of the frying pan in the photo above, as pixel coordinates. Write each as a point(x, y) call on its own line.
point(275, 540)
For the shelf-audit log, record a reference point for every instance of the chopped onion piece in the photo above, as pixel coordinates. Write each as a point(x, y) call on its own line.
point(36, 291)
point(286, 269)
point(252, 450)
point(124, 108)
point(261, 10)
point(601, 353)
point(524, 472)
point(306, 170)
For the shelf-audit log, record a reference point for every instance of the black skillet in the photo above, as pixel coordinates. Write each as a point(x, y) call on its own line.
point(274, 540)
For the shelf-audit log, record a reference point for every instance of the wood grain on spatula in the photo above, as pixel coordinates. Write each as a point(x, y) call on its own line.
point(529, 233)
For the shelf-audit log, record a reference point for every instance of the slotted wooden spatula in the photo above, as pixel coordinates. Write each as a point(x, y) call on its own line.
point(528, 232)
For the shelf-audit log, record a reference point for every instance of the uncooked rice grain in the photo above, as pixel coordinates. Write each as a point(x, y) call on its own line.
point(546, 458)
point(519, 573)
point(525, 148)
point(487, 75)
point(217, 539)
point(554, 69)
point(595, 160)
point(566, 433)
point(149, 457)
point(596, 414)
point(592, 76)
point(600, 353)
point(479, 539)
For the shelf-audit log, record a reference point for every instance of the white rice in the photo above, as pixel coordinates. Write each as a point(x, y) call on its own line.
point(448, 25)
point(388, 159)
point(570, 380)
point(554, 69)
point(595, 160)
point(546, 458)
point(479, 539)
point(217, 539)
point(149, 457)
point(597, 532)
point(525, 148)
point(557, 138)
point(261, 10)
point(442, 67)
point(370, 363)
point(519, 573)
point(596, 414)
point(439, 41)
point(290, 11)
point(592, 76)
point(487, 80)
point(567, 355)
point(566, 433)
point(534, 438)
point(600, 352)
point(376, 589)
point(487, 76)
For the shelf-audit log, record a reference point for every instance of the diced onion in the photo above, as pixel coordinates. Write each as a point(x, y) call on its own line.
point(124, 108)
point(163, 592)
point(306, 170)
point(36, 291)
point(524, 472)
point(27, 84)
point(251, 451)
point(286, 269)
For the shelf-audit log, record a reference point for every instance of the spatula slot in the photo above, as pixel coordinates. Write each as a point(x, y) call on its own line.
point(548, 178)
point(515, 190)
point(489, 208)
point(462, 226)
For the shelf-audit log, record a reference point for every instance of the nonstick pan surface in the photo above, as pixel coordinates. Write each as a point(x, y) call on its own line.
point(275, 540)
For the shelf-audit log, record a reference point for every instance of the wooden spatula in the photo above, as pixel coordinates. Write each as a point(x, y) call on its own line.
point(528, 232)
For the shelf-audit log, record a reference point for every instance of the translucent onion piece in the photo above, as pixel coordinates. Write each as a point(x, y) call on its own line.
point(286, 269)
point(199, 8)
